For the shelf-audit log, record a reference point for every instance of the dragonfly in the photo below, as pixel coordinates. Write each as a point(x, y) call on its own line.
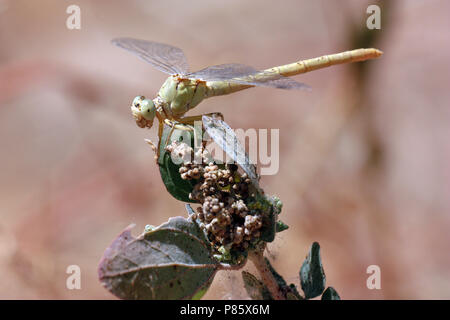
point(184, 90)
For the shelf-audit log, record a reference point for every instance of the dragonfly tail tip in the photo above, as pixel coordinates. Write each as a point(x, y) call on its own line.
point(378, 52)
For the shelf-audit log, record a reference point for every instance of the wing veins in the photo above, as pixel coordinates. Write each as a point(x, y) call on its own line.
point(164, 57)
point(246, 75)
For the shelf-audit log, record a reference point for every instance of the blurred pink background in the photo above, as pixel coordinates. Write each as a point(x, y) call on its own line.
point(364, 157)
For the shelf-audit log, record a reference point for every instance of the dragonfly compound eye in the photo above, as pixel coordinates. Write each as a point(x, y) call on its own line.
point(137, 101)
point(148, 110)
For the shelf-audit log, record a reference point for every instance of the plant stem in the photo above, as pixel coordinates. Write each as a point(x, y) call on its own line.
point(226, 266)
point(257, 257)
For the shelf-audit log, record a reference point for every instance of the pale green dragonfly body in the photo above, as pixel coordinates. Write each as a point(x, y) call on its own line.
point(183, 90)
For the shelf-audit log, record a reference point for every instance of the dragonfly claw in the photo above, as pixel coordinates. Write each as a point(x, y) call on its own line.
point(153, 146)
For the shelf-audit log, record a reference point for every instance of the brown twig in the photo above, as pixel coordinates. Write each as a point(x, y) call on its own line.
point(257, 257)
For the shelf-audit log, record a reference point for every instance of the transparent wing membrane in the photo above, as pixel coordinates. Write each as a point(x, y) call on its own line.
point(172, 60)
point(225, 137)
point(223, 72)
point(246, 75)
point(163, 57)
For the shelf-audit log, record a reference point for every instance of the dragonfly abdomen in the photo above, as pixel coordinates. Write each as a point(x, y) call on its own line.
point(308, 65)
point(220, 88)
point(217, 88)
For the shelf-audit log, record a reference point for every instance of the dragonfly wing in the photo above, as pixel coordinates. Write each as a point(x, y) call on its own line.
point(273, 80)
point(163, 57)
point(223, 72)
point(246, 75)
point(225, 137)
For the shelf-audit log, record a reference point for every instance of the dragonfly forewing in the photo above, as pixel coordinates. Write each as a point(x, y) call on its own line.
point(164, 57)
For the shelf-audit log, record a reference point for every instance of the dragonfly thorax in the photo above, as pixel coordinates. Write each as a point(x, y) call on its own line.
point(179, 95)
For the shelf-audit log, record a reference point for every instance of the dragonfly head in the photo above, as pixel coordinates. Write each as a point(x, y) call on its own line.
point(144, 111)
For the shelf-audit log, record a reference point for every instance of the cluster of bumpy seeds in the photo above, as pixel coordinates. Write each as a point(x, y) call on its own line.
point(222, 193)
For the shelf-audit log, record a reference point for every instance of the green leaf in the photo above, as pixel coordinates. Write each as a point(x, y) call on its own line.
point(293, 294)
point(255, 288)
point(169, 170)
point(171, 178)
point(271, 206)
point(268, 227)
point(281, 226)
point(277, 204)
point(311, 273)
point(172, 261)
point(330, 294)
point(290, 291)
point(279, 279)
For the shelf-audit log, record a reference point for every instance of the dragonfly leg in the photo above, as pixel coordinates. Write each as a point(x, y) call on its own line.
point(185, 125)
point(154, 148)
point(188, 124)
point(192, 119)
point(173, 125)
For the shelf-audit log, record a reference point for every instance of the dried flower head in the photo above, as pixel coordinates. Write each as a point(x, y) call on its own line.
point(223, 193)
